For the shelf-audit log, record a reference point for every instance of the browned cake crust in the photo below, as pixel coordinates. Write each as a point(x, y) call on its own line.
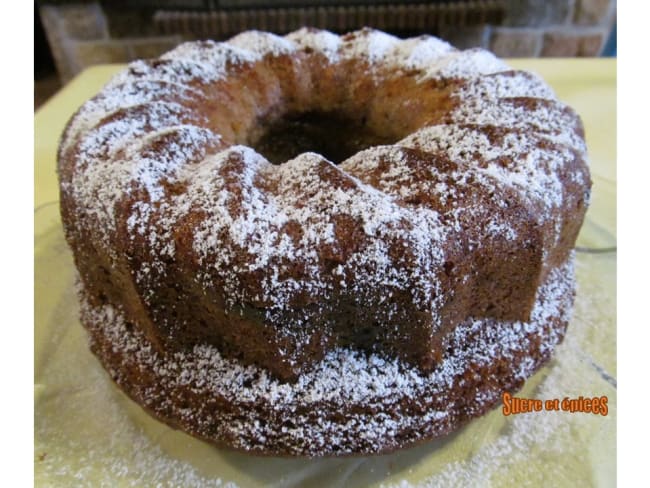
point(352, 403)
point(447, 198)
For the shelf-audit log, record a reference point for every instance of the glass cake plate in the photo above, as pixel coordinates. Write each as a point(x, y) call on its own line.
point(87, 433)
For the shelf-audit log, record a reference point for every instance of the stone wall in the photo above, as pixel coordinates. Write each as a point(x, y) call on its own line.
point(554, 28)
point(79, 36)
point(85, 33)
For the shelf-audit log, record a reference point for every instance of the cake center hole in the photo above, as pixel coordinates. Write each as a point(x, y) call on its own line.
point(331, 134)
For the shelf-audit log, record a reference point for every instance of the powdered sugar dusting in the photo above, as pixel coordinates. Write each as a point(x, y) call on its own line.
point(530, 445)
point(148, 89)
point(550, 120)
point(72, 458)
point(462, 64)
point(506, 84)
point(263, 43)
point(117, 154)
point(256, 222)
point(214, 58)
point(369, 44)
point(380, 384)
point(321, 41)
point(119, 95)
point(142, 158)
point(518, 160)
point(417, 53)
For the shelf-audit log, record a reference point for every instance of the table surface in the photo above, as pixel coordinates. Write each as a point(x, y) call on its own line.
point(87, 431)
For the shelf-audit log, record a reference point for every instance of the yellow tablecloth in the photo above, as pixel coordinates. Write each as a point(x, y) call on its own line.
point(88, 433)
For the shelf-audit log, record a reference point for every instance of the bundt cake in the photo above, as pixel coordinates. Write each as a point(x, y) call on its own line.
point(320, 244)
